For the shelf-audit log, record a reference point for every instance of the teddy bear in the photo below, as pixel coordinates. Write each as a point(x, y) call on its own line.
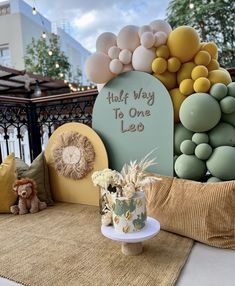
point(26, 189)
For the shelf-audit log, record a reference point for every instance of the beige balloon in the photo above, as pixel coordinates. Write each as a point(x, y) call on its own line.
point(160, 25)
point(142, 59)
point(128, 38)
point(105, 41)
point(97, 68)
point(147, 40)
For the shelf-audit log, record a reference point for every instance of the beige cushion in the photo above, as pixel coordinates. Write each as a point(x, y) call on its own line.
point(7, 179)
point(202, 211)
point(38, 171)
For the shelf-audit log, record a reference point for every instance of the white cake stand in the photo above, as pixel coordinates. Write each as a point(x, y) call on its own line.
point(132, 242)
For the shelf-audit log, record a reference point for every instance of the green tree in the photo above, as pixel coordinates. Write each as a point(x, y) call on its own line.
point(45, 57)
point(213, 20)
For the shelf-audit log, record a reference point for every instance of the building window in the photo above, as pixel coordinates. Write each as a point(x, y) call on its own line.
point(4, 10)
point(5, 59)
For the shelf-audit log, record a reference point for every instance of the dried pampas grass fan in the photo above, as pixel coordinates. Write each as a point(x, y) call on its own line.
point(73, 155)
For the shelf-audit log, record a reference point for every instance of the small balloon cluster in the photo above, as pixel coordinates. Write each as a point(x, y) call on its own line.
point(132, 49)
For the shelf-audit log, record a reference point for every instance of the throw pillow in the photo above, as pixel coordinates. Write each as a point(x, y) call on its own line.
point(202, 211)
point(7, 179)
point(38, 171)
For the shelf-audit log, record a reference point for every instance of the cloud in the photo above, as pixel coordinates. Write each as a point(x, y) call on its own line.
point(90, 18)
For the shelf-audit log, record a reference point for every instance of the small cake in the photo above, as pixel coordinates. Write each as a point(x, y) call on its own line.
point(129, 215)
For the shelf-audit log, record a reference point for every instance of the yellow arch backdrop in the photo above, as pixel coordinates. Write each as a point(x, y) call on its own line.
point(76, 191)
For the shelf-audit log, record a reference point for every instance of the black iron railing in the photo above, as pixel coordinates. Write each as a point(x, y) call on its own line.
point(24, 123)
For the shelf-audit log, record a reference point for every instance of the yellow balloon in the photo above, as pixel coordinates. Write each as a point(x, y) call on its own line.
point(219, 76)
point(168, 79)
point(183, 43)
point(159, 65)
point(186, 87)
point(177, 98)
point(199, 71)
point(211, 48)
point(202, 84)
point(185, 71)
point(202, 58)
point(163, 52)
point(213, 65)
point(173, 64)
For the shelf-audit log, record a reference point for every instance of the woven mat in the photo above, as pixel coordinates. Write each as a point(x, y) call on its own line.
point(63, 245)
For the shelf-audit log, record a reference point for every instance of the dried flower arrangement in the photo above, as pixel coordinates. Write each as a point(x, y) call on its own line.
point(132, 178)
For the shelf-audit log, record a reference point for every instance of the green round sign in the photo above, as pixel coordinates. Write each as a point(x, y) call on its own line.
point(133, 114)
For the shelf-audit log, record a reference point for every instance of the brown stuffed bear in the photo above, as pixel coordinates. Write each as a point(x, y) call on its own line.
point(27, 194)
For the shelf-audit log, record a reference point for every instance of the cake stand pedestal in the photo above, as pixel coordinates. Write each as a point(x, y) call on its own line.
point(132, 242)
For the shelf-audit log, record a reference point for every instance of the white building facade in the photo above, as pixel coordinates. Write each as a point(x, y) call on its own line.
point(17, 28)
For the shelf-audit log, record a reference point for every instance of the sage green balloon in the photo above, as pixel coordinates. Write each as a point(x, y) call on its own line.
point(231, 89)
point(187, 147)
point(181, 134)
point(218, 91)
point(221, 163)
point(200, 112)
point(214, 180)
point(227, 104)
point(190, 167)
point(199, 138)
point(203, 151)
point(229, 118)
point(222, 135)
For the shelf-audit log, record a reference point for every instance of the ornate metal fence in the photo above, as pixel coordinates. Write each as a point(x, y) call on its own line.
point(26, 124)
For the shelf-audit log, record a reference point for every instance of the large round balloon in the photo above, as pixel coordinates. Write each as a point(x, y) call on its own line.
point(222, 135)
point(160, 25)
point(190, 167)
point(128, 38)
point(97, 68)
point(184, 43)
point(181, 134)
point(221, 163)
point(142, 59)
point(105, 41)
point(200, 112)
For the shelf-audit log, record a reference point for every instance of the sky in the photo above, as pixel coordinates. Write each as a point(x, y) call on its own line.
point(89, 18)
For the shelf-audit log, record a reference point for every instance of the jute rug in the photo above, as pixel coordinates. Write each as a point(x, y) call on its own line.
point(63, 245)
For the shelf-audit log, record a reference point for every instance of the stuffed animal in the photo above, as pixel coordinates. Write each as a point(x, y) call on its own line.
point(26, 190)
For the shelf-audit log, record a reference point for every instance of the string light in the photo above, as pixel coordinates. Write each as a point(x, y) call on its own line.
point(34, 11)
point(50, 53)
point(61, 74)
point(44, 35)
point(65, 81)
point(191, 5)
point(57, 65)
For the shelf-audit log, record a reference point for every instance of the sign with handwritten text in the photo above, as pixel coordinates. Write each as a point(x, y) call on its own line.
point(133, 114)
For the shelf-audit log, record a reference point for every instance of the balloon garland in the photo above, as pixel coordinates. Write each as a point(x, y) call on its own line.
point(202, 93)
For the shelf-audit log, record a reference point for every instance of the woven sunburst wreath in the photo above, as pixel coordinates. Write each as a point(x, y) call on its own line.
point(73, 155)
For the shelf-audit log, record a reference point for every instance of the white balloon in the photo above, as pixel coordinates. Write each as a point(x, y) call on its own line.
point(97, 68)
point(116, 66)
point(160, 39)
point(147, 40)
point(105, 41)
point(128, 38)
point(160, 25)
point(113, 52)
point(125, 56)
point(142, 59)
point(145, 28)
